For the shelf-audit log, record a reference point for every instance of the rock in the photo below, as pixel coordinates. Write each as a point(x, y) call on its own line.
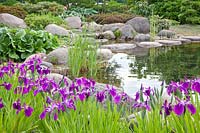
point(58, 56)
point(104, 54)
point(149, 44)
point(194, 39)
point(47, 64)
point(73, 22)
point(142, 37)
point(112, 27)
point(63, 70)
point(106, 35)
point(38, 55)
point(102, 41)
point(140, 24)
point(121, 47)
point(127, 32)
point(166, 33)
point(57, 30)
point(93, 26)
point(169, 42)
point(58, 77)
point(183, 41)
point(102, 86)
point(12, 21)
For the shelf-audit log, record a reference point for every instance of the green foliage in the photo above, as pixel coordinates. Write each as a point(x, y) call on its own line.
point(39, 22)
point(14, 10)
point(108, 18)
point(83, 57)
point(43, 8)
point(8, 2)
point(18, 44)
point(78, 11)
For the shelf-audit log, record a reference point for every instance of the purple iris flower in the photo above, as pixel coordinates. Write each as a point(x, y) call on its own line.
point(147, 92)
point(55, 117)
point(137, 96)
point(82, 96)
point(179, 108)
point(17, 106)
point(196, 86)
point(167, 108)
point(100, 96)
point(43, 114)
point(7, 86)
point(1, 103)
point(117, 99)
point(172, 88)
point(70, 104)
point(113, 92)
point(28, 111)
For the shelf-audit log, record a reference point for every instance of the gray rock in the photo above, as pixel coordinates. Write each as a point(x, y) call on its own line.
point(58, 77)
point(120, 47)
point(57, 30)
point(93, 26)
point(12, 21)
point(166, 33)
point(169, 42)
point(149, 44)
point(104, 54)
point(102, 41)
point(140, 24)
point(142, 37)
point(102, 86)
point(127, 32)
point(58, 56)
point(73, 22)
point(112, 27)
point(106, 35)
point(194, 39)
point(183, 41)
point(47, 64)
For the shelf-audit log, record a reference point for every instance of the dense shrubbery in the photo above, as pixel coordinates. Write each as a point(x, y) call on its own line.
point(14, 10)
point(43, 8)
point(18, 44)
point(108, 18)
point(39, 22)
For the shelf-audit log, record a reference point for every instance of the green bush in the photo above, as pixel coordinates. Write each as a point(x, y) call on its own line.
point(108, 18)
point(43, 8)
point(14, 10)
point(39, 22)
point(18, 44)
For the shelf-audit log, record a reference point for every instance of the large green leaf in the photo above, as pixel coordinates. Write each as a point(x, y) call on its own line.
point(13, 55)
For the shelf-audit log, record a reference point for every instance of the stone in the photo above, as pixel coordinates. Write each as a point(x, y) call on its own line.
point(169, 42)
point(57, 30)
point(127, 32)
point(120, 47)
point(183, 41)
point(58, 78)
point(166, 33)
point(58, 56)
point(47, 64)
point(140, 24)
point(102, 86)
point(102, 41)
point(38, 55)
point(63, 70)
point(93, 26)
point(112, 27)
point(104, 54)
point(106, 35)
point(194, 39)
point(149, 44)
point(73, 22)
point(11, 20)
point(142, 37)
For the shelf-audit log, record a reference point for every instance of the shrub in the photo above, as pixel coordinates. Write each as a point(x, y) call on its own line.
point(18, 44)
point(43, 8)
point(14, 10)
point(39, 22)
point(111, 18)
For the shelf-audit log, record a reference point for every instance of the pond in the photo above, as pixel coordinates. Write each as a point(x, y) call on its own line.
point(151, 67)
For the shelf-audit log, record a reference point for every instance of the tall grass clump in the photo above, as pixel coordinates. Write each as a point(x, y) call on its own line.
point(83, 57)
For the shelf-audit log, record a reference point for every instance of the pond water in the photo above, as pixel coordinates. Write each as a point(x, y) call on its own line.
point(151, 67)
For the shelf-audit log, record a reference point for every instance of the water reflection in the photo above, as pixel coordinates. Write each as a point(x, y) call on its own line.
point(150, 69)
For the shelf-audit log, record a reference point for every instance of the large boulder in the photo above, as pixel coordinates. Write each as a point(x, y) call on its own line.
point(104, 54)
point(169, 42)
point(194, 39)
point(58, 78)
point(118, 48)
point(166, 33)
point(38, 55)
point(149, 44)
point(140, 24)
point(112, 27)
point(127, 32)
point(57, 30)
point(73, 22)
point(106, 35)
point(142, 37)
point(12, 21)
point(92, 26)
point(58, 56)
